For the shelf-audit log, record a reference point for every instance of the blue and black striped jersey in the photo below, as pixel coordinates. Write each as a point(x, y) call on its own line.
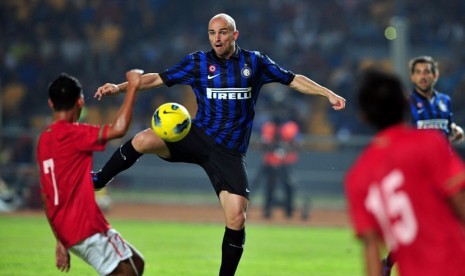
point(226, 91)
point(435, 113)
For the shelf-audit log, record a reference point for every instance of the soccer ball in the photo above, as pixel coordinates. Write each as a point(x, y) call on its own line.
point(171, 122)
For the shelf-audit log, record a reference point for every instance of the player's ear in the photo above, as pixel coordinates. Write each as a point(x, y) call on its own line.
point(80, 102)
point(236, 34)
point(436, 76)
point(50, 104)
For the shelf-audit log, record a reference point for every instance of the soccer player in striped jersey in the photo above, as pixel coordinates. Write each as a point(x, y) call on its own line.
point(406, 191)
point(226, 82)
point(429, 109)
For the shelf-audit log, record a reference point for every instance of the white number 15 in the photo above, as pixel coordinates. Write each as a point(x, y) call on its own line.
point(388, 201)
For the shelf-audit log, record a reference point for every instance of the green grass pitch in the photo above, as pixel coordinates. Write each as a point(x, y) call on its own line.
point(27, 248)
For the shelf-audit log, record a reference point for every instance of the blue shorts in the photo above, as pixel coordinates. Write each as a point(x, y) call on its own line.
point(225, 168)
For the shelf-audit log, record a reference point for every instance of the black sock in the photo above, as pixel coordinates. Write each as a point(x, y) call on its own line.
point(123, 158)
point(233, 246)
point(390, 260)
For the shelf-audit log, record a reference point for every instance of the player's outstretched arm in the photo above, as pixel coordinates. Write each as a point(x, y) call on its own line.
point(148, 81)
point(305, 85)
point(120, 125)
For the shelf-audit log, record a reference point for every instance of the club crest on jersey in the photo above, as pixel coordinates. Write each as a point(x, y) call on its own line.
point(212, 68)
point(246, 72)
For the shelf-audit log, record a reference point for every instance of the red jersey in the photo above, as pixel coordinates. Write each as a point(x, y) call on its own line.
point(399, 187)
point(64, 154)
point(281, 138)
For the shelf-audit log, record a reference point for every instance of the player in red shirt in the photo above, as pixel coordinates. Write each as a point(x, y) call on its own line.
point(407, 189)
point(64, 154)
point(429, 109)
point(279, 140)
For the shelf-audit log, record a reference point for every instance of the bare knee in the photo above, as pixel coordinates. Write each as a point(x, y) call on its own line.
point(235, 209)
point(235, 218)
point(147, 142)
point(236, 221)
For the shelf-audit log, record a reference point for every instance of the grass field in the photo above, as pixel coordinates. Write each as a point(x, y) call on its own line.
point(27, 248)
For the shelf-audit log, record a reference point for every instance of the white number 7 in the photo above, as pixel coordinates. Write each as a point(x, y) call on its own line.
point(49, 168)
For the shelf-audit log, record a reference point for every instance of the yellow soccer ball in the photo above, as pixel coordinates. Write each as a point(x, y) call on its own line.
point(171, 122)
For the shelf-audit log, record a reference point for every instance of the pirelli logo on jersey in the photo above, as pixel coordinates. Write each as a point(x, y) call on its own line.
point(433, 123)
point(229, 93)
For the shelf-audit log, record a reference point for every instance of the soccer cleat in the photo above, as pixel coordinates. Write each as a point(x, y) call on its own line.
point(97, 184)
point(386, 267)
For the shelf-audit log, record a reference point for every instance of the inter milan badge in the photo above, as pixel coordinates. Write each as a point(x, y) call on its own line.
point(211, 68)
point(246, 71)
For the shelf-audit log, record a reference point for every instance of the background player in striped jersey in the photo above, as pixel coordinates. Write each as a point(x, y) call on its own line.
point(226, 82)
point(407, 188)
point(64, 154)
point(429, 109)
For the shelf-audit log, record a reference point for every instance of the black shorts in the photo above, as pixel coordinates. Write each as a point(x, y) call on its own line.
point(225, 168)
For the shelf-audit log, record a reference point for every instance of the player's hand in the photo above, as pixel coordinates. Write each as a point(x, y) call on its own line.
point(63, 259)
point(105, 90)
point(457, 134)
point(337, 101)
point(134, 77)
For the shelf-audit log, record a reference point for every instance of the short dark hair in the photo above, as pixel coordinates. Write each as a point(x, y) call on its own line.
point(381, 98)
point(64, 91)
point(423, 59)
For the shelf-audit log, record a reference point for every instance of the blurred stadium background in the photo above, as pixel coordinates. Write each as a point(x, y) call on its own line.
point(97, 41)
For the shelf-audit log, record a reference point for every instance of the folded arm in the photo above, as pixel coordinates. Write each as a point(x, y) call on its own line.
point(121, 123)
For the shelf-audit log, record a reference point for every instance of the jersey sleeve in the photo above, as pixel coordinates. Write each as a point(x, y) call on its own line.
point(448, 170)
point(90, 137)
point(356, 189)
point(273, 72)
point(180, 73)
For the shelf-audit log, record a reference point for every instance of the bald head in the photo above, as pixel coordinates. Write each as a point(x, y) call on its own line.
point(226, 18)
point(222, 34)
